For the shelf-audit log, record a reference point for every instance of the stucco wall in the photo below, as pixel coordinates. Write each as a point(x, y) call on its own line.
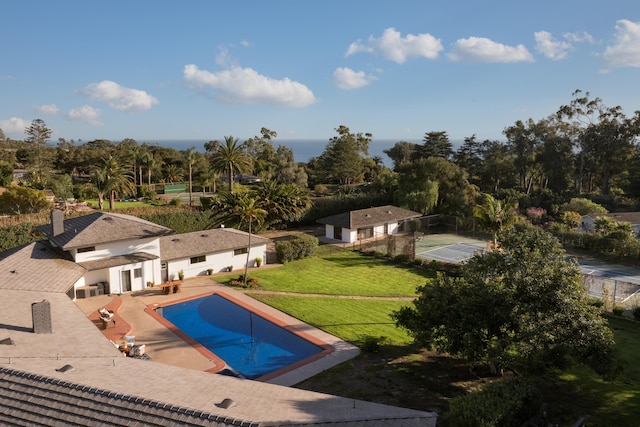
point(218, 262)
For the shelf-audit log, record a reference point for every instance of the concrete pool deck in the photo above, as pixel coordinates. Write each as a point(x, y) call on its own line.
point(165, 347)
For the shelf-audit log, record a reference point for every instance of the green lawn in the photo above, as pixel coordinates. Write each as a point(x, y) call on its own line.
point(118, 205)
point(353, 320)
point(343, 273)
point(610, 403)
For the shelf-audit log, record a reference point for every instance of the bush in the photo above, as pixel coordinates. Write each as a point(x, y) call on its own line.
point(508, 402)
point(252, 282)
point(618, 311)
point(372, 344)
point(300, 246)
point(636, 313)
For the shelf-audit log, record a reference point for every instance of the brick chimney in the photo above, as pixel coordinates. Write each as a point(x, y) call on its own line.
point(57, 222)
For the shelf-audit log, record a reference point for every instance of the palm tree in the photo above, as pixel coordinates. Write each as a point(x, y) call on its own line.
point(494, 214)
point(241, 210)
point(190, 156)
point(115, 178)
point(147, 160)
point(283, 202)
point(172, 173)
point(230, 158)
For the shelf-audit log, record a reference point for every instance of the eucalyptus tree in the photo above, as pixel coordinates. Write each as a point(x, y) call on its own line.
point(37, 135)
point(468, 157)
point(229, 158)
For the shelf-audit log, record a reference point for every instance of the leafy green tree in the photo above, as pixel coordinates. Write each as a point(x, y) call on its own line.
point(230, 158)
point(17, 200)
point(455, 195)
point(401, 153)
point(468, 157)
point(583, 206)
point(342, 161)
point(6, 173)
point(523, 307)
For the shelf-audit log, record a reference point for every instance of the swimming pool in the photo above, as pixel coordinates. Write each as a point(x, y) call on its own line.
point(247, 342)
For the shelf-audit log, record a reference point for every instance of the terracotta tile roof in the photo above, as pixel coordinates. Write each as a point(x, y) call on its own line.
point(369, 217)
point(206, 242)
point(38, 266)
point(101, 227)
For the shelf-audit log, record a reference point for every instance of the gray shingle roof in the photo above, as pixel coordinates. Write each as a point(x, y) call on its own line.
point(38, 266)
point(114, 261)
point(369, 217)
point(206, 242)
point(101, 227)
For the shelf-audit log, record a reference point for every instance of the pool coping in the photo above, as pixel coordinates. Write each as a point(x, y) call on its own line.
point(219, 363)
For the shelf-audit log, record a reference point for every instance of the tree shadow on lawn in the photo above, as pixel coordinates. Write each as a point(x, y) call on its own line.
point(404, 376)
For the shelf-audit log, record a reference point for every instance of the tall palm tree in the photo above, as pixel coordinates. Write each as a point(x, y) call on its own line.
point(148, 161)
point(240, 210)
point(115, 178)
point(190, 156)
point(230, 158)
point(494, 214)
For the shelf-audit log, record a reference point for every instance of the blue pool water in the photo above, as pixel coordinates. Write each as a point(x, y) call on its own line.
point(248, 343)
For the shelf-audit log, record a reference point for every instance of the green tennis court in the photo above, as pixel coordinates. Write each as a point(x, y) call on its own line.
point(450, 248)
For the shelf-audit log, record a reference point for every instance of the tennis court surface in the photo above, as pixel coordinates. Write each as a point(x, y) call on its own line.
point(448, 247)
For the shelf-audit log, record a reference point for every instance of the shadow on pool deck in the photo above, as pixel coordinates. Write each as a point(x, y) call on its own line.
point(163, 346)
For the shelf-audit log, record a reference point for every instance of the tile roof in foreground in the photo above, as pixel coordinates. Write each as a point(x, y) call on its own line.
point(75, 376)
point(369, 217)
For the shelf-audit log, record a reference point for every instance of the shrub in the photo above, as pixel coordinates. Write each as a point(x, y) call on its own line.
point(636, 313)
point(300, 246)
point(252, 282)
point(617, 310)
point(372, 344)
point(508, 402)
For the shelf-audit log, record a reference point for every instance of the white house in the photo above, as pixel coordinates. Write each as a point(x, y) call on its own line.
point(633, 218)
point(122, 253)
point(218, 249)
point(367, 223)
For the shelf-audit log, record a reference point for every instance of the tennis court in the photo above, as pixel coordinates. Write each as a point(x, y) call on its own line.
point(450, 248)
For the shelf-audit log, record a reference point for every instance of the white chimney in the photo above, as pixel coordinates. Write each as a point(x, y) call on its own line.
point(57, 222)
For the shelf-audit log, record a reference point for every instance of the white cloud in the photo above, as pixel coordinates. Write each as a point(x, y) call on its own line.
point(238, 85)
point(86, 114)
point(577, 37)
point(392, 46)
point(551, 48)
point(119, 97)
point(346, 78)
point(625, 52)
point(14, 127)
point(49, 109)
point(480, 49)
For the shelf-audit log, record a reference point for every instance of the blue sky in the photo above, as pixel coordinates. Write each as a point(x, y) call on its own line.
point(167, 70)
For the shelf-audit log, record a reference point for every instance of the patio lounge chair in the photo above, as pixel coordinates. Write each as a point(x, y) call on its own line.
point(107, 318)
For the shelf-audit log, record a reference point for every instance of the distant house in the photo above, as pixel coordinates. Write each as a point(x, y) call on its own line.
point(633, 218)
point(118, 253)
point(367, 223)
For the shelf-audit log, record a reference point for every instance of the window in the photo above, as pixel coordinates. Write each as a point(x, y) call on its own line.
point(240, 251)
point(197, 259)
point(87, 249)
point(137, 273)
